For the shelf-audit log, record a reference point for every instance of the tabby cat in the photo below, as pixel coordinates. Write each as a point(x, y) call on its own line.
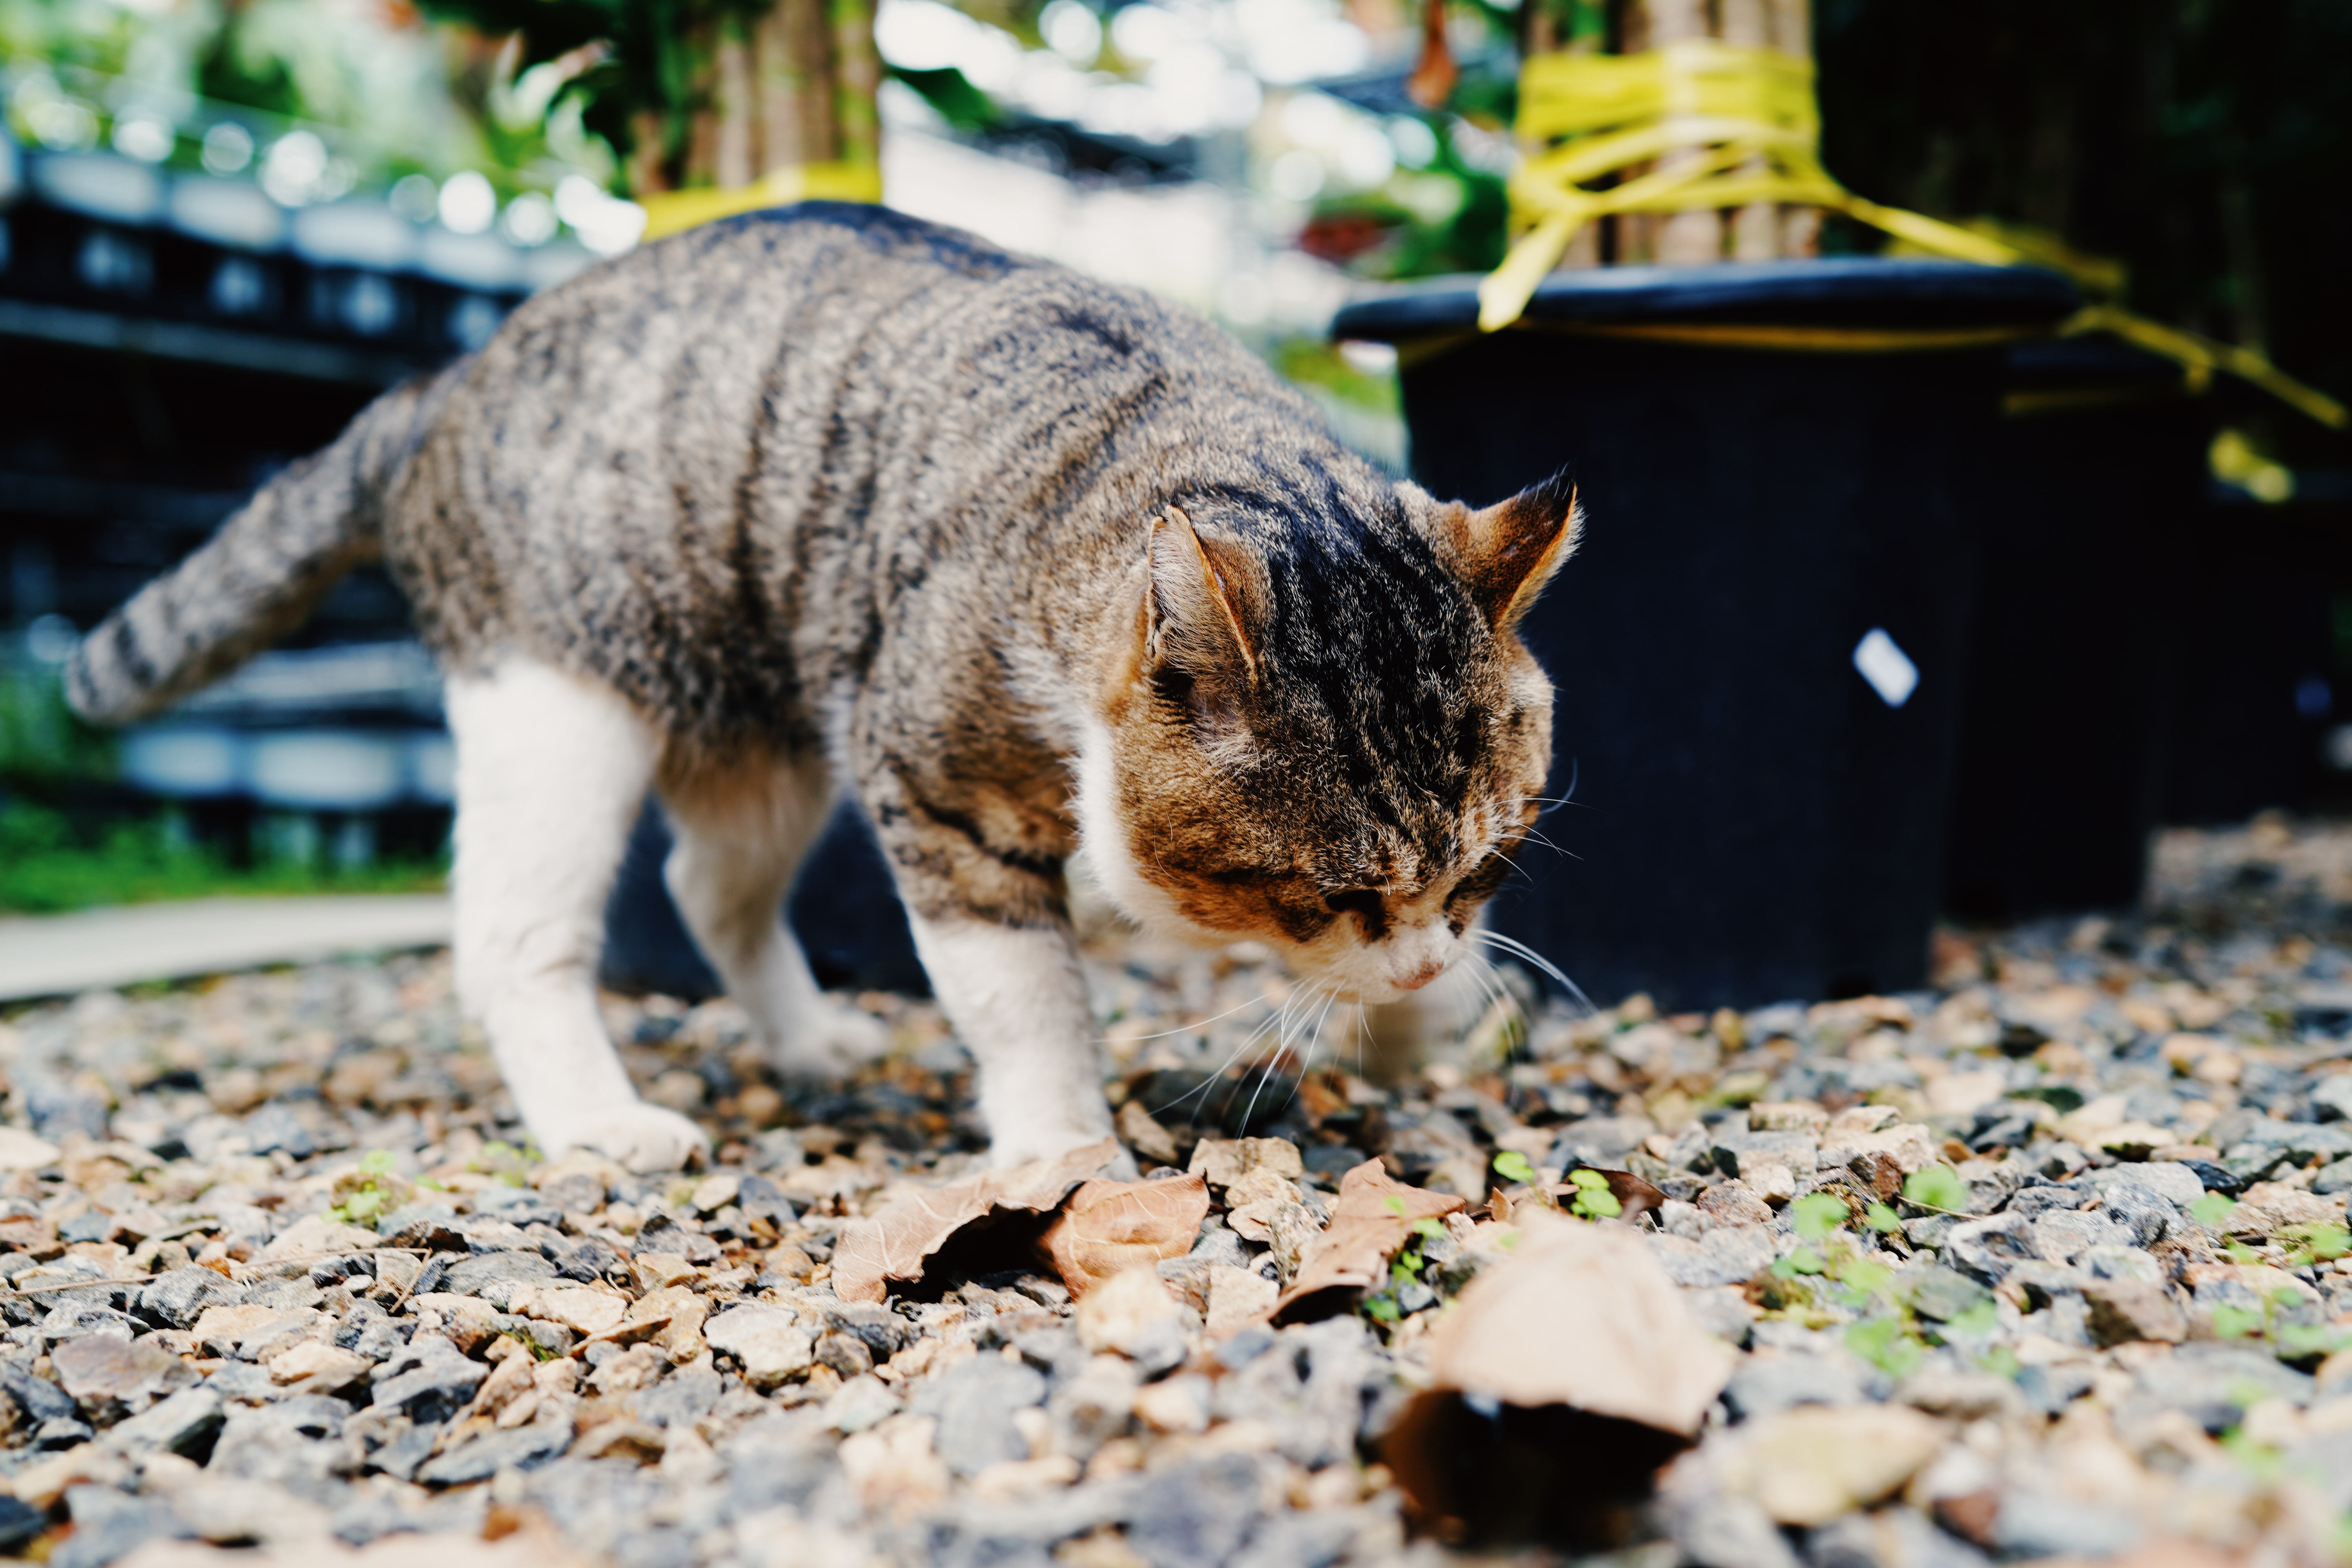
point(1032, 562)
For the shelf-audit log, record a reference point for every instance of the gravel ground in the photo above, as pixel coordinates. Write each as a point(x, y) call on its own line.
point(2043, 1262)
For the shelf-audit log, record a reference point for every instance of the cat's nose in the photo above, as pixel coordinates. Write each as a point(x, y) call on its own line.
point(1421, 976)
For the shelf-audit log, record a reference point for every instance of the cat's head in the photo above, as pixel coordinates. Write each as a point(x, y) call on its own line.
point(1324, 733)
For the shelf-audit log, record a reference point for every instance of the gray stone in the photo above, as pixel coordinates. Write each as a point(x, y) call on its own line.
point(1217, 1244)
point(177, 1425)
point(2213, 1382)
point(1892, 1538)
point(1725, 1531)
point(40, 1399)
point(243, 1381)
point(2166, 1179)
point(1737, 1152)
point(2051, 1388)
point(493, 1276)
point(1945, 1293)
point(1310, 1540)
point(177, 1299)
point(974, 1403)
point(20, 1525)
point(1321, 1391)
point(885, 1333)
point(1989, 1249)
point(110, 1524)
point(1727, 1255)
point(429, 1380)
point(2333, 1179)
point(66, 1432)
point(681, 1399)
point(2121, 1263)
point(1603, 1140)
point(275, 1126)
point(1764, 1383)
point(1196, 1515)
point(2064, 1235)
point(486, 1455)
point(1930, 1232)
point(2299, 1141)
point(2032, 1523)
point(1722, 1311)
point(2047, 1198)
point(2148, 1216)
point(2331, 1097)
point(297, 1443)
point(863, 1402)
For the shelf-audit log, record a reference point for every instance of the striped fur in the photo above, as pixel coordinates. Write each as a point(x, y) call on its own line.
point(1023, 556)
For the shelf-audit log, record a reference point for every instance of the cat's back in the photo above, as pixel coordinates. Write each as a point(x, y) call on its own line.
point(649, 462)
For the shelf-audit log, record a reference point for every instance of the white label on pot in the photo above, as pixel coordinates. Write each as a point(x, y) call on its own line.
point(1887, 667)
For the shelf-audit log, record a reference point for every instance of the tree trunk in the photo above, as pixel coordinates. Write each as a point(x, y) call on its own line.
point(771, 90)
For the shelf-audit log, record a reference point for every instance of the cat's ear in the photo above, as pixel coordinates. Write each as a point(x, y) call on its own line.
point(1194, 608)
point(1508, 552)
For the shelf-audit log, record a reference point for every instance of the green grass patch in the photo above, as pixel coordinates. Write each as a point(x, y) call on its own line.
point(48, 868)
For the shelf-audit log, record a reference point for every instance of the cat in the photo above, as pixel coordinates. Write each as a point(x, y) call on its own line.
point(1033, 561)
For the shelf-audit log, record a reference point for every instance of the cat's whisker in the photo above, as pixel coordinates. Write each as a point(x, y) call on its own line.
point(1518, 949)
point(1236, 1055)
point(1198, 1025)
point(1266, 1072)
point(1314, 1044)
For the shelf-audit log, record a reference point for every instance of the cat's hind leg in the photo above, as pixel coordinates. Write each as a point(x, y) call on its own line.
point(742, 833)
point(551, 773)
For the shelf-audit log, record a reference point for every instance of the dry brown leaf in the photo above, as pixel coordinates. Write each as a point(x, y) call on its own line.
point(1109, 1227)
point(1373, 1218)
point(1581, 1315)
point(895, 1243)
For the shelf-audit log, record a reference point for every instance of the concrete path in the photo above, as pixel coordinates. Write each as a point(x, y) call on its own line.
point(54, 955)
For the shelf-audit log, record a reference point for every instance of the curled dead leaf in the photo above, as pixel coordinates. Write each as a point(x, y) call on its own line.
point(1108, 1227)
point(896, 1243)
point(1572, 1354)
point(1631, 1349)
point(1374, 1218)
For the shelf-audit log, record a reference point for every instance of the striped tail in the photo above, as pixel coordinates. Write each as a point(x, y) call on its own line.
point(262, 572)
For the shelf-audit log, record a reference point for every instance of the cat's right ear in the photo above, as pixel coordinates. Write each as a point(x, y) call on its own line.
point(1508, 552)
point(1194, 608)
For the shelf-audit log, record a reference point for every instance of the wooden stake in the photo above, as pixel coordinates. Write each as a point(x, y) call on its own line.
point(1793, 34)
point(1684, 238)
point(1756, 227)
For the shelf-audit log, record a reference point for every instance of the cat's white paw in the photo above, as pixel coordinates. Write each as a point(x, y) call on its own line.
point(831, 1042)
point(643, 1138)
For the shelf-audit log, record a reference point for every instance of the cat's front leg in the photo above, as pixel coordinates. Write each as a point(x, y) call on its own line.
point(1016, 998)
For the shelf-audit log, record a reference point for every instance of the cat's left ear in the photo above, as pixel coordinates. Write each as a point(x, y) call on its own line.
point(1506, 552)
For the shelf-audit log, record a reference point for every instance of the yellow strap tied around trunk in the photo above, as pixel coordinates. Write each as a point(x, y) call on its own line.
point(672, 211)
point(1724, 125)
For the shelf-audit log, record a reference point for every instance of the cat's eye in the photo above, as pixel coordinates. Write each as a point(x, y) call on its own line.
point(1364, 902)
point(1481, 881)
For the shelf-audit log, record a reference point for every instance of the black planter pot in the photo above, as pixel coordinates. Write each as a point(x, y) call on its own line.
point(1752, 818)
point(2088, 505)
point(849, 919)
point(2260, 682)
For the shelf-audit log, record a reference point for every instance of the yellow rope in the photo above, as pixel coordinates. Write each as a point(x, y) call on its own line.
point(1746, 123)
point(672, 211)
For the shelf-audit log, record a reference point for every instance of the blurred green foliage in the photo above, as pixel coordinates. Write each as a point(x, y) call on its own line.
point(49, 865)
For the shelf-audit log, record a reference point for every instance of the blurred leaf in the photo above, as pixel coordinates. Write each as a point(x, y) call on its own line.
point(1937, 1187)
point(1817, 1215)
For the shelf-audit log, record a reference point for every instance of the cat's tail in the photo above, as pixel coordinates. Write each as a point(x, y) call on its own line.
point(263, 570)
